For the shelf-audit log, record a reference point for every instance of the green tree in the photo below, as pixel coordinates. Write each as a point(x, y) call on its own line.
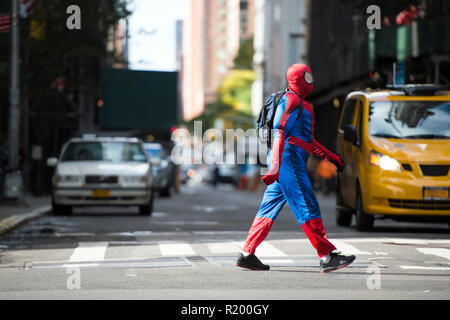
point(235, 90)
point(233, 101)
point(244, 57)
point(49, 52)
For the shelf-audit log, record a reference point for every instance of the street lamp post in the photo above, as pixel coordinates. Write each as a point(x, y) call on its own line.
point(14, 93)
point(13, 183)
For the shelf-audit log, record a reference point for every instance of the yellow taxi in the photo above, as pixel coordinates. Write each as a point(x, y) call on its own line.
point(396, 146)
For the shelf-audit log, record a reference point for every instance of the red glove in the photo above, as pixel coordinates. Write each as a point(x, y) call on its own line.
point(337, 161)
point(270, 178)
point(277, 152)
point(274, 171)
point(326, 154)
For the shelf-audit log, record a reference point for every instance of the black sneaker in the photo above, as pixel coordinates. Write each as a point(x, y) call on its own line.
point(251, 262)
point(336, 261)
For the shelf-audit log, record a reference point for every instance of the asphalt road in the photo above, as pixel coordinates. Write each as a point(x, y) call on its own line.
point(187, 249)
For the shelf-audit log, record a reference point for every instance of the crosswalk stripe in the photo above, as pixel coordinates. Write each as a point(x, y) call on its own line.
point(145, 251)
point(176, 249)
point(424, 268)
point(348, 248)
point(440, 252)
point(224, 247)
point(89, 251)
point(276, 261)
point(266, 249)
point(97, 254)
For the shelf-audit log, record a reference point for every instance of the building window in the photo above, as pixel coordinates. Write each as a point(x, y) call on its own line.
point(222, 13)
point(222, 55)
point(221, 40)
point(222, 69)
point(243, 5)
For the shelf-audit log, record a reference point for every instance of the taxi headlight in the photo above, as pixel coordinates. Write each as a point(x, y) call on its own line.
point(383, 161)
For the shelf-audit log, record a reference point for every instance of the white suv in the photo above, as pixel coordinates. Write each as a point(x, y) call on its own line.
point(102, 171)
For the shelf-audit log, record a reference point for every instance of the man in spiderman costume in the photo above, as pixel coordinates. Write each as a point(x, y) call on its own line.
point(287, 178)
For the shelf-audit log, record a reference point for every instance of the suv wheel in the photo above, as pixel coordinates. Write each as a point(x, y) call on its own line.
point(343, 216)
point(364, 222)
point(165, 192)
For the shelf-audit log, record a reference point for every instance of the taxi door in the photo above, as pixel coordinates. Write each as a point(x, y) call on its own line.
point(357, 156)
point(349, 151)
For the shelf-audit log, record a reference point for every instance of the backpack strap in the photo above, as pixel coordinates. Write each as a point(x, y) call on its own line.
point(300, 111)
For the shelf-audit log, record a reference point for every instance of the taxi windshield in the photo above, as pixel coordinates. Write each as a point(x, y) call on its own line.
point(410, 119)
point(104, 151)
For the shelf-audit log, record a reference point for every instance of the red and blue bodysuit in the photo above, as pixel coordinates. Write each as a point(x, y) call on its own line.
point(287, 178)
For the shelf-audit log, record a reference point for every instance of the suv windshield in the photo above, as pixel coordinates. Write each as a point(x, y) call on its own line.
point(104, 151)
point(154, 152)
point(410, 119)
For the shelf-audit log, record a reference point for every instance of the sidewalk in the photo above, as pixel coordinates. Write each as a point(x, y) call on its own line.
point(13, 213)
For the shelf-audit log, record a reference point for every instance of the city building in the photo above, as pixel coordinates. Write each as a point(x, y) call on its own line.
point(118, 43)
point(343, 53)
point(280, 39)
point(212, 34)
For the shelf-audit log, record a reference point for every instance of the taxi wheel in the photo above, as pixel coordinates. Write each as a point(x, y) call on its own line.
point(364, 222)
point(343, 217)
point(147, 209)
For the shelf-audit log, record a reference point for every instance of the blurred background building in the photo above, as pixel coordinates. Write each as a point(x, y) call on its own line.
point(344, 55)
point(60, 76)
point(213, 32)
point(230, 55)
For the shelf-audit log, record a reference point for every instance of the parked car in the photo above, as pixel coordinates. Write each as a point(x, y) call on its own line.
point(229, 173)
point(102, 171)
point(187, 172)
point(163, 168)
point(396, 146)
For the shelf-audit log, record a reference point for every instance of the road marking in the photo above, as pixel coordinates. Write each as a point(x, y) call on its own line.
point(310, 261)
point(348, 248)
point(188, 222)
point(176, 249)
point(89, 251)
point(220, 233)
point(424, 268)
point(224, 247)
point(131, 272)
point(141, 251)
point(440, 252)
point(265, 249)
point(210, 209)
point(79, 265)
point(74, 234)
point(158, 214)
point(405, 241)
point(277, 261)
point(130, 265)
point(409, 241)
point(132, 233)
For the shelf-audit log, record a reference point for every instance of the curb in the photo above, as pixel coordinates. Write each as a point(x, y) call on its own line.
point(12, 222)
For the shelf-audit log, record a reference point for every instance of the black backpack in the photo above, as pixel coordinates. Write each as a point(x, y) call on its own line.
point(267, 115)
